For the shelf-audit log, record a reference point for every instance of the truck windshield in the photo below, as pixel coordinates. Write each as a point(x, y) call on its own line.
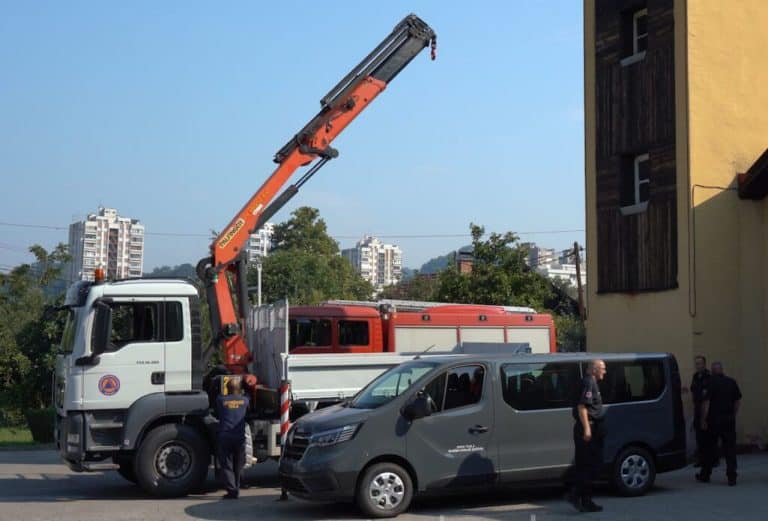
point(68, 335)
point(391, 384)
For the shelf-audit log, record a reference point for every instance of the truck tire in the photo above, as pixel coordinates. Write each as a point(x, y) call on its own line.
point(634, 472)
point(172, 461)
point(385, 490)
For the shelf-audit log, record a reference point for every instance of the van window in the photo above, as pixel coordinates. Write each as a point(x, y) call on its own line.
point(391, 384)
point(353, 333)
point(310, 332)
point(464, 387)
point(634, 381)
point(528, 387)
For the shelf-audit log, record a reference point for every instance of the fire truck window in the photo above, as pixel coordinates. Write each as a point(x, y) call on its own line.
point(527, 387)
point(133, 322)
point(353, 333)
point(310, 332)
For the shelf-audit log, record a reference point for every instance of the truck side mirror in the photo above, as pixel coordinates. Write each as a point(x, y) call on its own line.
point(417, 408)
point(102, 327)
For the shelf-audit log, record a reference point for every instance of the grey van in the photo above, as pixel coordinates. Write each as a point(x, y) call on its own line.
point(442, 424)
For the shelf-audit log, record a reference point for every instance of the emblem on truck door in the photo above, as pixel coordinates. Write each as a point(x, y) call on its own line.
point(109, 384)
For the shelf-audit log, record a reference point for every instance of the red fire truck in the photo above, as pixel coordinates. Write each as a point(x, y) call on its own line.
point(409, 327)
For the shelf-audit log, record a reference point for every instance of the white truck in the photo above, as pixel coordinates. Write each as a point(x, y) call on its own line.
point(129, 381)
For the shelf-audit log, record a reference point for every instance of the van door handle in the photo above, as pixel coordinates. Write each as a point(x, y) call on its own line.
point(478, 429)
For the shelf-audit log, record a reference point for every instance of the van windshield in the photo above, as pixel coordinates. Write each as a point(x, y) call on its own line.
point(391, 384)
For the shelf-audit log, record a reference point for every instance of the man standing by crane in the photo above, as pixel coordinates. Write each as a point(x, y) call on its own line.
point(230, 453)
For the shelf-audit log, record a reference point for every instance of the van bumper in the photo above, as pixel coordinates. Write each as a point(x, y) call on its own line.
point(319, 479)
point(668, 461)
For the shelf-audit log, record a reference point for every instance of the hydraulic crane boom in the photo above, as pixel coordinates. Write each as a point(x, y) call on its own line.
point(224, 272)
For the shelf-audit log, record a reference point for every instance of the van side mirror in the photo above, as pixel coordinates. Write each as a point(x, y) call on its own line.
point(417, 408)
point(102, 327)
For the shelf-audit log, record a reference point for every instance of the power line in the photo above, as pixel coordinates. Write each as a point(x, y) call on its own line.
point(383, 236)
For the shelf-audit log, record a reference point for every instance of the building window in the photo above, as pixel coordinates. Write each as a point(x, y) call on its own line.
point(635, 29)
point(635, 184)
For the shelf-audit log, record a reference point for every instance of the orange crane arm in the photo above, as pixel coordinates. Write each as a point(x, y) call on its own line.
point(224, 272)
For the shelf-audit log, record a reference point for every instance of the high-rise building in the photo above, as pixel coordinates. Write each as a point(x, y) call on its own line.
point(260, 242)
point(106, 240)
point(378, 263)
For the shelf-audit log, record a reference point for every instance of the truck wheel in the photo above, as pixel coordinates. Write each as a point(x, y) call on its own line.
point(172, 461)
point(385, 490)
point(634, 472)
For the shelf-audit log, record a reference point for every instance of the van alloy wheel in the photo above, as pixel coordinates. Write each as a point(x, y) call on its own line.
point(386, 490)
point(635, 471)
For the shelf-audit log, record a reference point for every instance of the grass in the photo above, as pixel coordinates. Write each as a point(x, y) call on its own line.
point(12, 437)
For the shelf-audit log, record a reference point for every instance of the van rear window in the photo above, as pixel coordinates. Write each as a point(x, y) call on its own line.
point(634, 381)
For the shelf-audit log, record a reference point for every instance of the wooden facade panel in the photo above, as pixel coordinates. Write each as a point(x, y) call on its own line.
point(635, 115)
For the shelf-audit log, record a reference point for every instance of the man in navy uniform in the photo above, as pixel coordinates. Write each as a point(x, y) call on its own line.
point(231, 409)
point(588, 436)
point(699, 390)
point(719, 409)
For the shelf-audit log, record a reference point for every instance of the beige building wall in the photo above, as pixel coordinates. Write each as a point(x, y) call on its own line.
point(720, 307)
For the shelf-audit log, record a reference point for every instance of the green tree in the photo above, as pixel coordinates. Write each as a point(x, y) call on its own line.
point(27, 335)
point(499, 275)
point(305, 266)
point(418, 287)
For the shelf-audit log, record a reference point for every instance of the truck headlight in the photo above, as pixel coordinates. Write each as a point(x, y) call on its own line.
point(334, 436)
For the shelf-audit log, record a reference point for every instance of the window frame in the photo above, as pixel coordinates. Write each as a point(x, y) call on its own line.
point(611, 370)
point(637, 205)
point(636, 55)
point(341, 323)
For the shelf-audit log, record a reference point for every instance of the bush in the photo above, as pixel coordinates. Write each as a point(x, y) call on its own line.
point(41, 424)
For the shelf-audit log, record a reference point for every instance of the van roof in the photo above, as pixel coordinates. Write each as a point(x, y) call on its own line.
point(541, 358)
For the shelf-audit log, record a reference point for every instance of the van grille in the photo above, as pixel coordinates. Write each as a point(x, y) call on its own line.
point(296, 448)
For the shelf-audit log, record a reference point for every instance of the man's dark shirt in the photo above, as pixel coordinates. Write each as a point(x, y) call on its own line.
point(231, 410)
point(723, 393)
point(699, 389)
point(589, 396)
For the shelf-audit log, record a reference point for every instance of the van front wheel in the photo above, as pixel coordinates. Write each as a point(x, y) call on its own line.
point(385, 490)
point(634, 472)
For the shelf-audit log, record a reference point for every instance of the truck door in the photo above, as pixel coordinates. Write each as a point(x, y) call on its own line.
point(133, 364)
point(455, 446)
point(176, 331)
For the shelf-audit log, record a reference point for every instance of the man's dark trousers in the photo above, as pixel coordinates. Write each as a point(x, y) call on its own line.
point(724, 432)
point(588, 459)
point(231, 456)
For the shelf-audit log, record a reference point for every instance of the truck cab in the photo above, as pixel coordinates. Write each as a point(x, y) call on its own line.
point(130, 362)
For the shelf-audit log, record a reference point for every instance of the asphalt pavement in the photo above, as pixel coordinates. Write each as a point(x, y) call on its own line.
point(35, 486)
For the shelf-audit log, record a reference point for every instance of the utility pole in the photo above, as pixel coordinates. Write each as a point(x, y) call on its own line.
point(577, 258)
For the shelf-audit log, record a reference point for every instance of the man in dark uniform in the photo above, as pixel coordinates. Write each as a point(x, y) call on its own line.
point(230, 452)
point(719, 409)
point(699, 389)
point(588, 436)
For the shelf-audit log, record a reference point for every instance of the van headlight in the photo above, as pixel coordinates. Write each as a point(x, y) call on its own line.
point(334, 436)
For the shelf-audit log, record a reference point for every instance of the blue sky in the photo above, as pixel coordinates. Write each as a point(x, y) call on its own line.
point(171, 112)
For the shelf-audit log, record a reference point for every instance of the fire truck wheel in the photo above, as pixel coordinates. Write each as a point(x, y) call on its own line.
point(172, 461)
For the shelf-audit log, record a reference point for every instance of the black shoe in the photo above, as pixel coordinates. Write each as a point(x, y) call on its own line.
point(229, 495)
point(731, 482)
point(702, 478)
point(697, 465)
point(591, 506)
point(574, 500)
